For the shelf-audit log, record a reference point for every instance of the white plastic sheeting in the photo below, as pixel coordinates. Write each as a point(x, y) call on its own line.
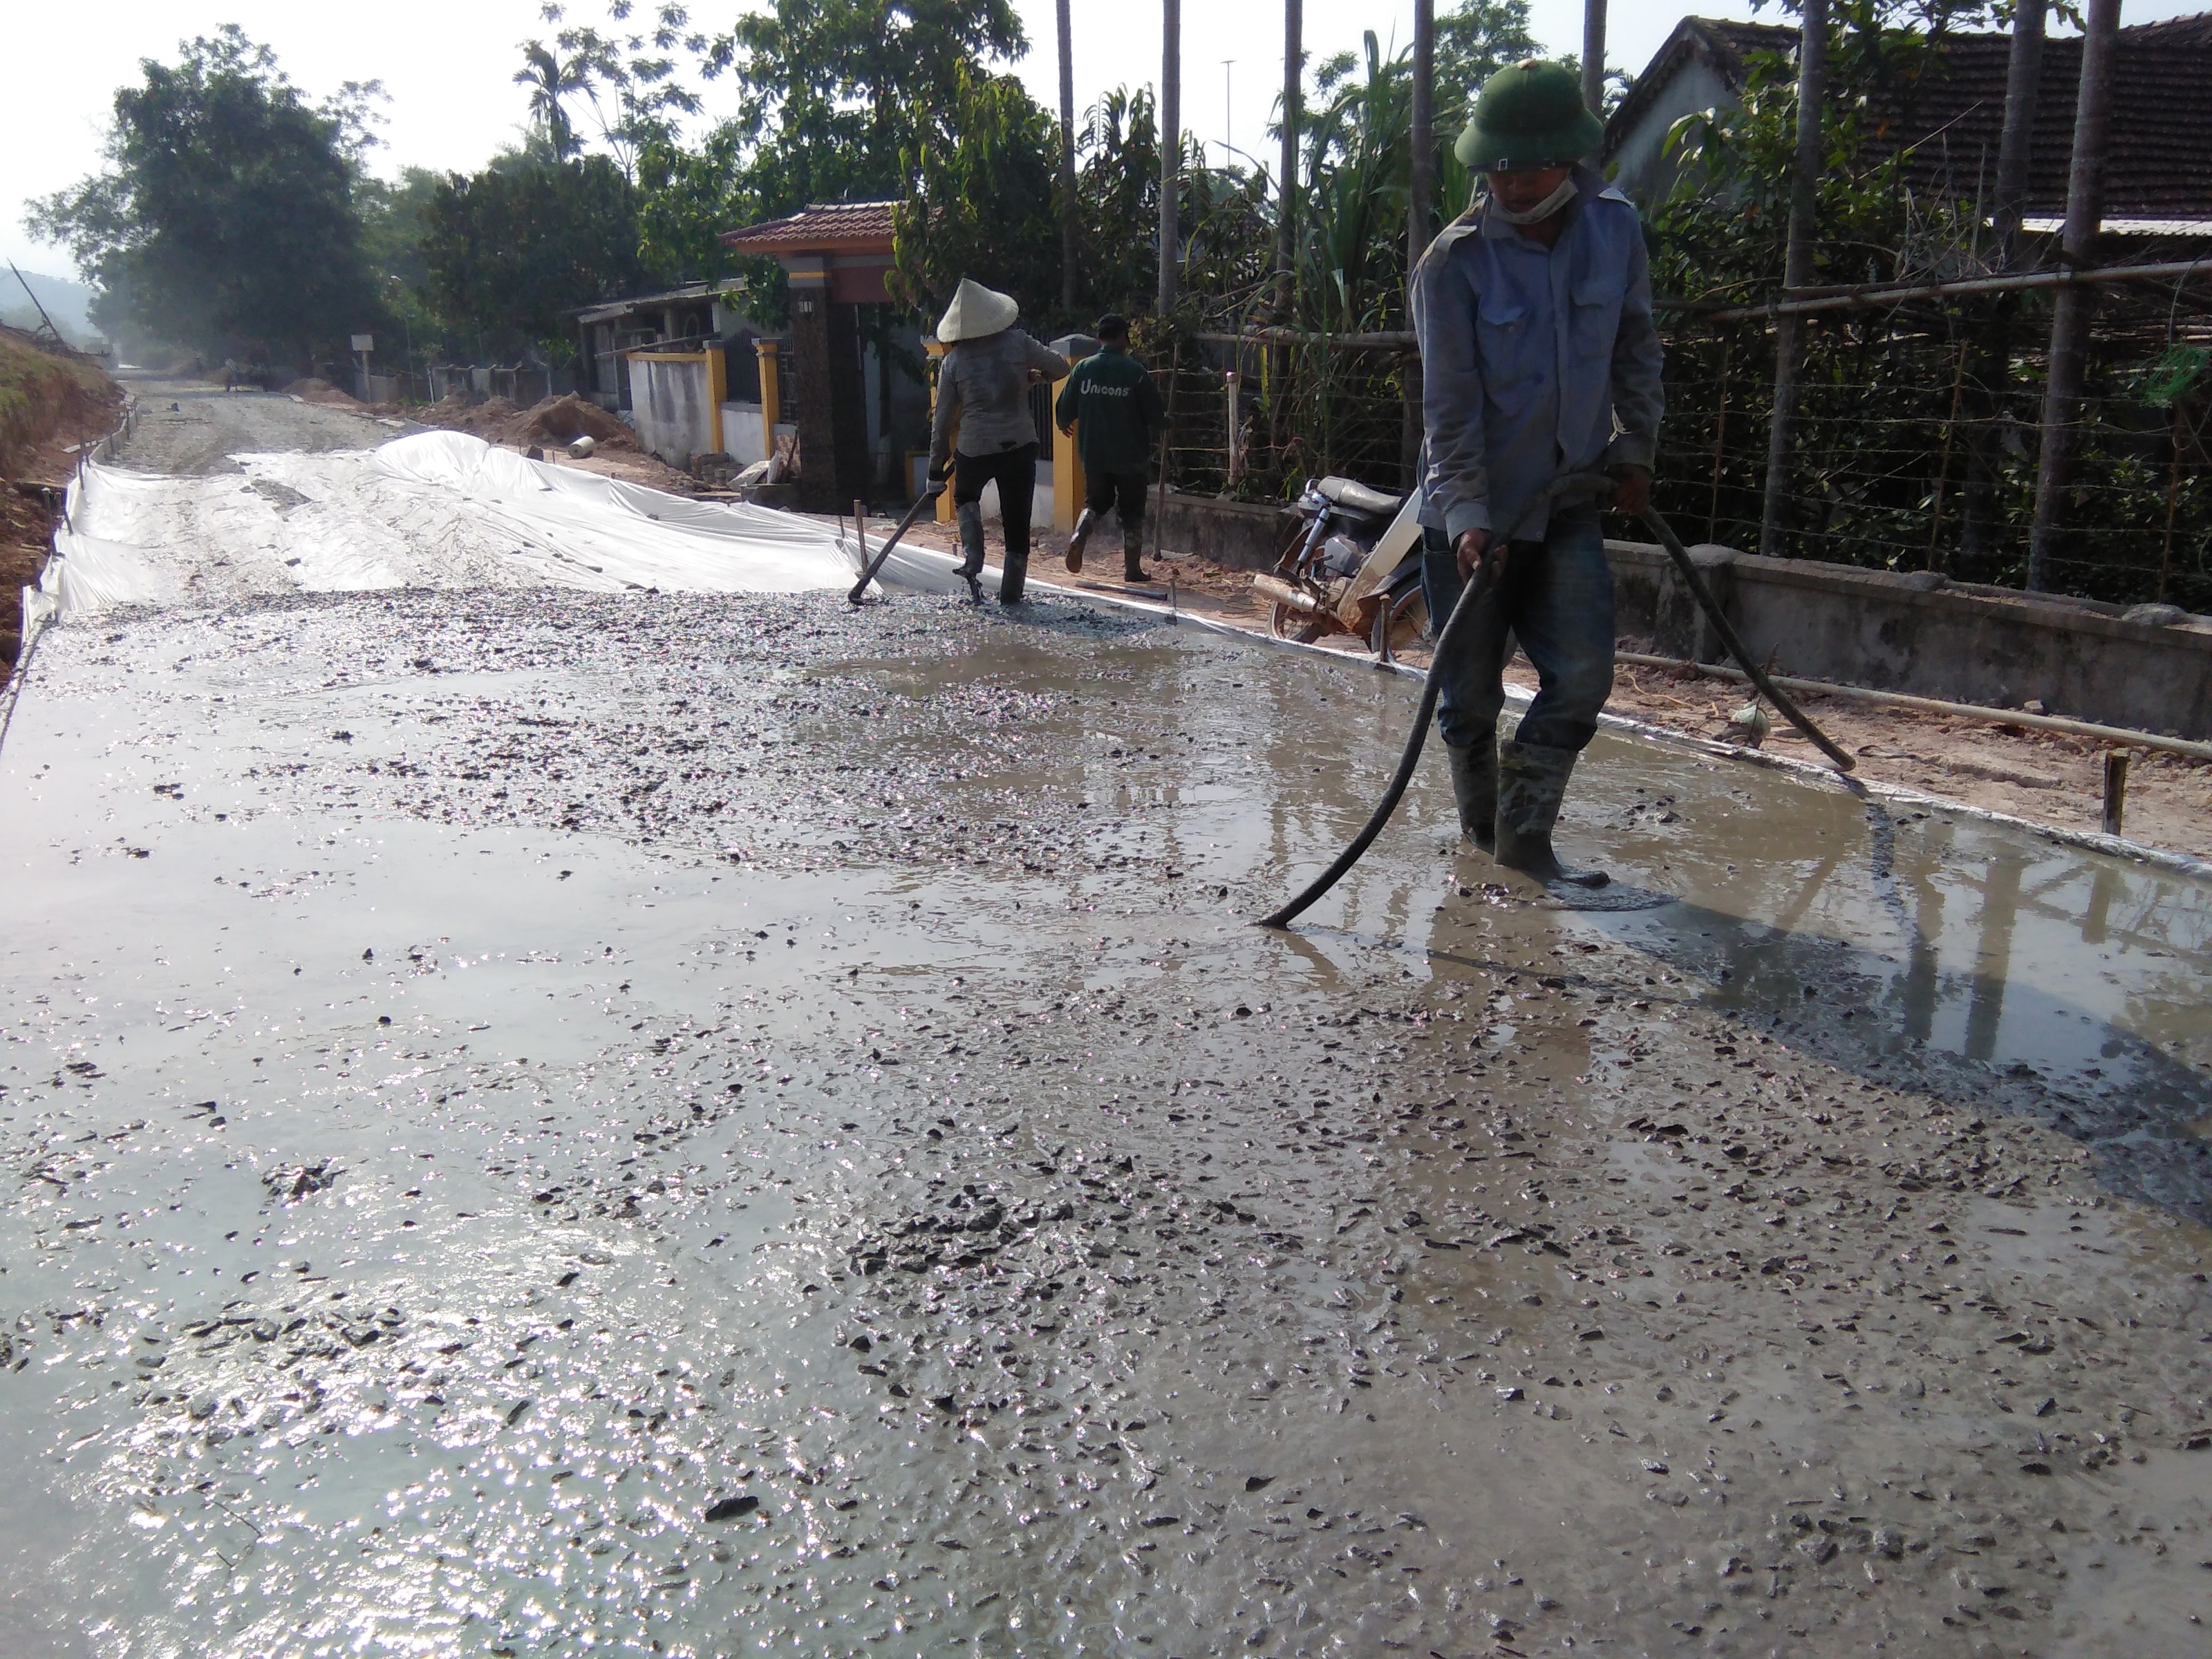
point(438, 509)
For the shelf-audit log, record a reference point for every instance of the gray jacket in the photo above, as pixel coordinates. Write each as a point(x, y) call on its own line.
point(1534, 362)
point(984, 385)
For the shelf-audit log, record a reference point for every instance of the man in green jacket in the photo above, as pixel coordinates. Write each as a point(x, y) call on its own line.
point(1111, 406)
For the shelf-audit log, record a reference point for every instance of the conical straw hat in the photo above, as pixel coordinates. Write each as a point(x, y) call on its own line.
point(976, 312)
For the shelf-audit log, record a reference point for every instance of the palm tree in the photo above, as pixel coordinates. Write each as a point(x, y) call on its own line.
point(550, 81)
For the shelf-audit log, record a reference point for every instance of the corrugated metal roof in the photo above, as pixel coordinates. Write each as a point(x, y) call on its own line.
point(690, 292)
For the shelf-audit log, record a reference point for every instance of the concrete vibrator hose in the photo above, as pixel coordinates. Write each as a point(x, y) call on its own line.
point(1480, 591)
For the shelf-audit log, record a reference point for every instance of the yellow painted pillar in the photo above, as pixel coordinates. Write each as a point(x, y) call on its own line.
point(936, 349)
point(718, 387)
point(1067, 480)
point(771, 395)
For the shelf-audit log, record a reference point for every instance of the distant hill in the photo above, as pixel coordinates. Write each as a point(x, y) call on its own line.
point(67, 303)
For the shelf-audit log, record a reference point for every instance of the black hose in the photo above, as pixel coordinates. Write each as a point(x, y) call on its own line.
point(1475, 595)
point(1695, 580)
point(1478, 592)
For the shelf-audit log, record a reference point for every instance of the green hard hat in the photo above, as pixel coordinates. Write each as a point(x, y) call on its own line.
point(1531, 115)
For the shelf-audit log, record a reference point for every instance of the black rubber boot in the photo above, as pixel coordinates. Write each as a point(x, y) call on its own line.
point(970, 516)
point(1133, 552)
point(1475, 787)
point(1084, 527)
point(1532, 781)
point(1015, 576)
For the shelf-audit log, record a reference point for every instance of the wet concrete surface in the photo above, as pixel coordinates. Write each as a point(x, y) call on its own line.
point(543, 1123)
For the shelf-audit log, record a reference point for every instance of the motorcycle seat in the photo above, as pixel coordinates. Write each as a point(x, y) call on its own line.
point(1358, 497)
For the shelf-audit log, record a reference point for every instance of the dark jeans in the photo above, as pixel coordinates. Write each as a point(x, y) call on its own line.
point(1556, 598)
point(1118, 492)
point(1014, 470)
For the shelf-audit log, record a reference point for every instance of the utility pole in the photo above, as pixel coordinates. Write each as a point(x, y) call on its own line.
point(1422, 183)
point(1798, 266)
point(1286, 182)
point(1067, 161)
point(2023, 76)
point(1594, 65)
point(1171, 146)
point(2070, 308)
point(1421, 187)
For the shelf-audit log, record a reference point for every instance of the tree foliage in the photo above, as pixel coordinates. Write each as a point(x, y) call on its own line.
point(982, 203)
point(508, 251)
point(626, 74)
point(835, 94)
point(225, 218)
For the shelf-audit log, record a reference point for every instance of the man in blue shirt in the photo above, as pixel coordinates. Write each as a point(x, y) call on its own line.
point(1539, 358)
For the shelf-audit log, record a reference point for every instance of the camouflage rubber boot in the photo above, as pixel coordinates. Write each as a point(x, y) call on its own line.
point(1076, 543)
point(1475, 787)
point(1532, 781)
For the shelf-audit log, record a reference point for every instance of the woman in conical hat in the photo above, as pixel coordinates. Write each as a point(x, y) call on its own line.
point(983, 384)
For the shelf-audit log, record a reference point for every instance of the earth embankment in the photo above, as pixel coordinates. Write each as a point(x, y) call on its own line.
point(51, 399)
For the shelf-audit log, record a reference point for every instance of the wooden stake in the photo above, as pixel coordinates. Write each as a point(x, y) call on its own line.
point(2116, 789)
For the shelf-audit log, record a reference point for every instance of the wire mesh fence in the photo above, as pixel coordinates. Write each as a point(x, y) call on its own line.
point(1916, 445)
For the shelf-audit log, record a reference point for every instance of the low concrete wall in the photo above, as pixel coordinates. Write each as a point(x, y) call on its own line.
point(673, 407)
point(1242, 535)
point(1918, 633)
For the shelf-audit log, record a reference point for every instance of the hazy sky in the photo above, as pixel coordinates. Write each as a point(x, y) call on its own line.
point(447, 66)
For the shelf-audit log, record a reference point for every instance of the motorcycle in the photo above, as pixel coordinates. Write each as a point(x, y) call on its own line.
point(1354, 568)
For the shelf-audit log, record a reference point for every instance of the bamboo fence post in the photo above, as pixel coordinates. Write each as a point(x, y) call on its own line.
point(2172, 497)
point(1943, 464)
point(1720, 441)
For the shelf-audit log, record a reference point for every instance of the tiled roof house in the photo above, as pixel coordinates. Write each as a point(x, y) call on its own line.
point(1948, 109)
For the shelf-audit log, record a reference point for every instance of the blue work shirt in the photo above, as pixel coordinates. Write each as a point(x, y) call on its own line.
point(1535, 361)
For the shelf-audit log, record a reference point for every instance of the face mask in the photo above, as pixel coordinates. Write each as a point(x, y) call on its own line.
point(1543, 209)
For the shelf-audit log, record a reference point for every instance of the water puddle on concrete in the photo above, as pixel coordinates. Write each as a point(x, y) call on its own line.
point(544, 1125)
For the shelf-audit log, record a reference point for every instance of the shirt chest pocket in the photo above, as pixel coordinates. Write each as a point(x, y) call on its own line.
point(1596, 314)
point(1513, 350)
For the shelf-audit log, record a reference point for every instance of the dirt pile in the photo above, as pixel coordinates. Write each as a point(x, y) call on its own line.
point(322, 391)
point(557, 420)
